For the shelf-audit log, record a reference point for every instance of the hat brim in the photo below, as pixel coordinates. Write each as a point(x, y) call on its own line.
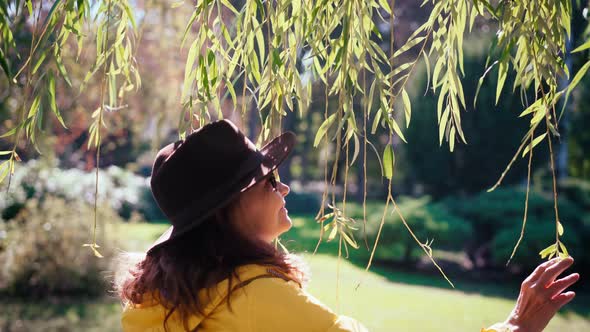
point(273, 154)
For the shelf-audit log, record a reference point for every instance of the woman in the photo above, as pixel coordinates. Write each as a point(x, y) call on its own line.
point(216, 268)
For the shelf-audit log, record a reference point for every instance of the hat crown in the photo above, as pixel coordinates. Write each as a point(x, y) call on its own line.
point(185, 172)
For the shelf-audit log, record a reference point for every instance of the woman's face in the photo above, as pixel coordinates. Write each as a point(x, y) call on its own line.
point(259, 213)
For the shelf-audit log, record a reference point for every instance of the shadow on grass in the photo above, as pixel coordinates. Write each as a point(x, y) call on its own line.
point(303, 238)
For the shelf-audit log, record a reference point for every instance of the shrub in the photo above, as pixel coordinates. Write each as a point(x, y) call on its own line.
point(43, 251)
point(428, 220)
point(496, 218)
point(303, 203)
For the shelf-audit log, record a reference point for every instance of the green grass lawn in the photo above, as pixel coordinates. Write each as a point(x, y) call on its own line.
point(386, 300)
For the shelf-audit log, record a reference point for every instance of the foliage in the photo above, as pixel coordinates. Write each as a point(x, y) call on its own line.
point(424, 217)
point(495, 218)
point(42, 250)
point(428, 220)
point(302, 203)
point(277, 48)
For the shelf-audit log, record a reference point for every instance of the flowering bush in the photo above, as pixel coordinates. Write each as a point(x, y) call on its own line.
point(121, 190)
point(42, 249)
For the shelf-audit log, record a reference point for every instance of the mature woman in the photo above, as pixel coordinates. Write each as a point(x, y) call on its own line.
point(216, 268)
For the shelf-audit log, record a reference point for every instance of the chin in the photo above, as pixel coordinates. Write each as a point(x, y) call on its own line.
point(285, 223)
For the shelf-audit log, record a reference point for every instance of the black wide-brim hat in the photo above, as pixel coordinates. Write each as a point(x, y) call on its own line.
point(193, 178)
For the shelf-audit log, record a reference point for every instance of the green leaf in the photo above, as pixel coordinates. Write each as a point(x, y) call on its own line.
point(582, 47)
point(452, 139)
point(188, 27)
point(376, 121)
point(385, 5)
point(579, 75)
point(388, 161)
point(539, 115)
point(188, 71)
point(93, 247)
point(397, 130)
point(408, 45)
point(442, 126)
point(112, 86)
point(535, 142)
point(427, 63)
point(52, 102)
point(502, 73)
point(229, 6)
point(29, 5)
point(324, 129)
point(230, 88)
point(5, 66)
point(34, 107)
point(559, 228)
point(130, 15)
point(349, 240)
point(62, 70)
point(333, 232)
point(40, 61)
point(4, 153)
point(407, 107)
point(563, 250)
point(10, 132)
point(4, 169)
point(177, 4)
point(356, 148)
point(548, 251)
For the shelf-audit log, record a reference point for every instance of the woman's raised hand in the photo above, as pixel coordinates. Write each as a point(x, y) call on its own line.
point(541, 296)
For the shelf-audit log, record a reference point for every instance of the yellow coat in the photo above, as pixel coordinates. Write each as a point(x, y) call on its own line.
point(265, 303)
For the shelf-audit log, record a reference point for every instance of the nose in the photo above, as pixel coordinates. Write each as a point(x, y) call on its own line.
point(283, 189)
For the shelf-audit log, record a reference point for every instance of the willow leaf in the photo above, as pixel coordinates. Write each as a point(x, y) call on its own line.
point(376, 121)
point(52, 102)
point(400, 69)
point(333, 233)
point(357, 145)
point(536, 141)
point(452, 139)
point(130, 16)
point(563, 249)
point(4, 169)
point(408, 45)
point(10, 132)
point(40, 61)
point(388, 161)
point(397, 130)
point(407, 107)
point(443, 125)
point(349, 240)
point(502, 73)
point(582, 47)
point(324, 129)
point(427, 63)
point(188, 71)
point(548, 251)
point(579, 75)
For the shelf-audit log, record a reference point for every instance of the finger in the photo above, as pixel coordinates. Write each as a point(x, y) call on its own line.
point(554, 270)
point(563, 283)
point(563, 299)
point(541, 269)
